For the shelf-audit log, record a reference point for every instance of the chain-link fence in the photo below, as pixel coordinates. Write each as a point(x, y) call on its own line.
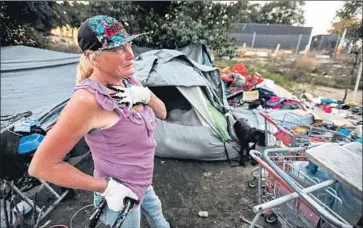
point(270, 35)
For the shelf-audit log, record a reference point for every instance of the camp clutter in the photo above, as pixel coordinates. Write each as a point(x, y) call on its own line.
point(314, 144)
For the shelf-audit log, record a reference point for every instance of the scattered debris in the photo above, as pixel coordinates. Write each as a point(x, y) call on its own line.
point(207, 174)
point(203, 214)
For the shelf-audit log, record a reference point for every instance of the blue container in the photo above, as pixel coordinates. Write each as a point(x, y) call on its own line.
point(344, 131)
point(29, 143)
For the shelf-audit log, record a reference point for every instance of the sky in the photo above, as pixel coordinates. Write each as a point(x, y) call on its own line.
point(320, 15)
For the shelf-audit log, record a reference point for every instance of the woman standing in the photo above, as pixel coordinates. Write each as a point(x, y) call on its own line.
point(116, 115)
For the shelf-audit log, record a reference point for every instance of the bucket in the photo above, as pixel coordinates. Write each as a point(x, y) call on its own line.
point(29, 143)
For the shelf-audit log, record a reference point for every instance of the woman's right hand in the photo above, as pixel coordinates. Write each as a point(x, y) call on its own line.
point(131, 95)
point(116, 193)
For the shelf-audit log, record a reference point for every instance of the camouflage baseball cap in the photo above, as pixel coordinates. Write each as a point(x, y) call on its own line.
point(103, 32)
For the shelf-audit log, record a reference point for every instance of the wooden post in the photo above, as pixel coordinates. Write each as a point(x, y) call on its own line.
point(276, 49)
point(357, 81)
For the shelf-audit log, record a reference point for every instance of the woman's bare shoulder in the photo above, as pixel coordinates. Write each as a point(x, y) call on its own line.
point(81, 104)
point(83, 97)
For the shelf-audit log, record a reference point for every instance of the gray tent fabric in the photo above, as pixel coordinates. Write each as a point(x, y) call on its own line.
point(192, 142)
point(35, 80)
point(193, 80)
point(151, 69)
point(199, 55)
point(195, 52)
point(16, 58)
point(182, 72)
point(197, 100)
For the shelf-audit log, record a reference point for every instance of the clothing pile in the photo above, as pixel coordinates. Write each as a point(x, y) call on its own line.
point(236, 78)
point(242, 88)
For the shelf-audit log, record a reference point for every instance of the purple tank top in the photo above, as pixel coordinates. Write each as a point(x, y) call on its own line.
point(126, 150)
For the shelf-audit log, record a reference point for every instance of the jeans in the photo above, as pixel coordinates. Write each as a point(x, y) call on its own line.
point(150, 207)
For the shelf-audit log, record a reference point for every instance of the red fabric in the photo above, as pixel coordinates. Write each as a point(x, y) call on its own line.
point(253, 80)
point(226, 78)
point(327, 108)
point(285, 138)
point(240, 68)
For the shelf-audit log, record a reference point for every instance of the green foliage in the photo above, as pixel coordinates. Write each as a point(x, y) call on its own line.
point(189, 23)
point(272, 12)
point(171, 24)
point(352, 10)
point(70, 12)
point(25, 22)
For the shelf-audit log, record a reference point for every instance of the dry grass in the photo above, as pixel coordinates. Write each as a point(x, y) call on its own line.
point(306, 63)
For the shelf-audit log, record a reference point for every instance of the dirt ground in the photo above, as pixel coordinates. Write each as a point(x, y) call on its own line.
point(332, 93)
point(185, 188)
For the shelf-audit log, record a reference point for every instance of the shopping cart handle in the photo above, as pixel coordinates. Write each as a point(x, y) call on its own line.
point(129, 203)
point(95, 217)
point(324, 213)
point(132, 201)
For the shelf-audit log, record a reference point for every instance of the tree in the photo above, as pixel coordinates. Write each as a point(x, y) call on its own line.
point(351, 24)
point(174, 24)
point(70, 13)
point(247, 12)
point(350, 18)
point(273, 12)
point(282, 12)
point(25, 22)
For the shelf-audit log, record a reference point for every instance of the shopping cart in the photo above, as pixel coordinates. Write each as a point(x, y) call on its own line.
point(95, 217)
point(287, 193)
point(292, 132)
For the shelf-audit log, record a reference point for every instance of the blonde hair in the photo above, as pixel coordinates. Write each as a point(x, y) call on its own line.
point(84, 69)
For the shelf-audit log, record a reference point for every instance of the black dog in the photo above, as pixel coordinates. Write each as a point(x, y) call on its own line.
point(246, 135)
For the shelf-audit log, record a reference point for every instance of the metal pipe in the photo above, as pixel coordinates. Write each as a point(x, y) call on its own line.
point(253, 39)
point(259, 183)
point(271, 172)
point(298, 44)
point(249, 222)
point(324, 213)
point(254, 221)
point(265, 166)
point(291, 196)
point(49, 188)
point(266, 134)
point(25, 198)
point(53, 205)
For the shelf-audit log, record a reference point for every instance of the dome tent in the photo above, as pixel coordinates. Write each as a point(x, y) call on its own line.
point(196, 127)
